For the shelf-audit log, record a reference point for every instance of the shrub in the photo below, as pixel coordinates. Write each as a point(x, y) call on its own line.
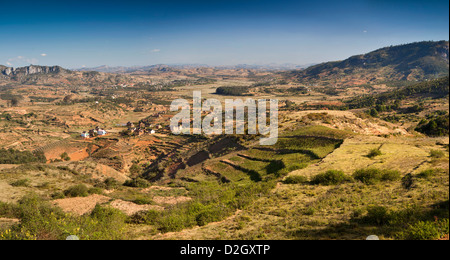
point(437, 154)
point(391, 175)
point(135, 169)
point(21, 183)
point(211, 213)
point(143, 201)
point(40, 220)
point(374, 153)
point(174, 222)
point(426, 174)
point(95, 190)
point(295, 180)
point(109, 184)
point(57, 195)
point(373, 175)
point(296, 166)
point(79, 190)
point(427, 230)
point(65, 157)
point(137, 183)
point(149, 217)
point(331, 177)
point(377, 215)
point(12, 156)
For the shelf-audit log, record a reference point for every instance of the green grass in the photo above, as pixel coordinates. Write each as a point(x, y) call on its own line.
point(295, 180)
point(230, 173)
point(373, 175)
point(212, 202)
point(330, 177)
point(39, 220)
point(318, 130)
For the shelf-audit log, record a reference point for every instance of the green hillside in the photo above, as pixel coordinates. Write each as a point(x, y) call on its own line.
point(415, 61)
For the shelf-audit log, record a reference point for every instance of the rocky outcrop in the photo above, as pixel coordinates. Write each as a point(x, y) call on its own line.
point(30, 70)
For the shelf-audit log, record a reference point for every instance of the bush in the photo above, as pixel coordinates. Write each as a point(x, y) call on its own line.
point(39, 220)
point(57, 195)
point(373, 175)
point(427, 230)
point(296, 166)
point(377, 215)
point(137, 183)
point(295, 180)
point(79, 190)
point(135, 169)
point(12, 156)
point(21, 183)
point(143, 201)
point(331, 177)
point(109, 184)
point(437, 154)
point(149, 217)
point(95, 190)
point(211, 213)
point(391, 175)
point(65, 157)
point(426, 174)
point(374, 153)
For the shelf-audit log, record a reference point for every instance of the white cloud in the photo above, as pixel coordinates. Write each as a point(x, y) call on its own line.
point(8, 63)
point(21, 61)
point(44, 54)
point(156, 50)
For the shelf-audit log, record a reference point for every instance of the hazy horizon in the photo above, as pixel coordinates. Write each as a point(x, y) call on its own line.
point(219, 33)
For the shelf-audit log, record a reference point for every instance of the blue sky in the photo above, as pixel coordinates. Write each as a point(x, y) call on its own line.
point(81, 33)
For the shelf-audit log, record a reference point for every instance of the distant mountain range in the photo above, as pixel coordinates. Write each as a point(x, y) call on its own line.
point(415, 61)
point(166, 68)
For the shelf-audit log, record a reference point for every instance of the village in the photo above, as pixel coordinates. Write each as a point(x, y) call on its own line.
point(144, 126)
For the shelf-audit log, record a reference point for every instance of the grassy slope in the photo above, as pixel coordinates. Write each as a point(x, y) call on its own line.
point(304, 211)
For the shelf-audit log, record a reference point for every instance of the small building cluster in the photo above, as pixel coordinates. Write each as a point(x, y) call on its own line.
point(93, 133)
point(143, 127)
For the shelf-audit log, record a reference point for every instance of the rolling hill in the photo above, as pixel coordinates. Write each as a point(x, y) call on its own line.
point(414, 61)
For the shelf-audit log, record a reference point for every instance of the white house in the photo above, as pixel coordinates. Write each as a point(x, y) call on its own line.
point(101, 132)
point(85, 135)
